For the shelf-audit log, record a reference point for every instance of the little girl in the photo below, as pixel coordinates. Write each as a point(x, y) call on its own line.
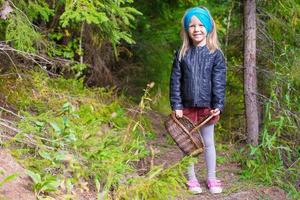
point(197, 85)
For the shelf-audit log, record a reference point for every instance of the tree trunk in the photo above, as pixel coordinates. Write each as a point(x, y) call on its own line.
point(250, 80)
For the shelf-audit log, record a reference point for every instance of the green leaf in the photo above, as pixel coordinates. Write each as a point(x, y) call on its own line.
point(39, 124)
point(45, 155)
point(60, 155)
point(8, 178)
point(36, 178)
point(71, 137)
point(50, 185)
point(56, 127)
point(98, 186)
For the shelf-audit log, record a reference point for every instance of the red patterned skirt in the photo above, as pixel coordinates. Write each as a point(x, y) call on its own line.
point(197, 114)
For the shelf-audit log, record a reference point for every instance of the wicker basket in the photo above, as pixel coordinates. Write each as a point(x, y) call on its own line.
point(183, 130)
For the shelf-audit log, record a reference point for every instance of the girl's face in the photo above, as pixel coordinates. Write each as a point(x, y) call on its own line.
point(197, 32)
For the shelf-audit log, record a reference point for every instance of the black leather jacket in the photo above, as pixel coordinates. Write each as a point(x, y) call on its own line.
point(198, 80)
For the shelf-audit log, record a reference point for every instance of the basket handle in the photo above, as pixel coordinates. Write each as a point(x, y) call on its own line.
point(209, 117)
point(178, 122)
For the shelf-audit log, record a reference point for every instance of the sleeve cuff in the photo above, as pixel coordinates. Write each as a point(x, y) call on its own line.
point(177, 107)
point(220, 107)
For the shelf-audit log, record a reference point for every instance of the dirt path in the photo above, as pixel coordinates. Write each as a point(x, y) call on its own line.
point(233, 187)
point(18, 188)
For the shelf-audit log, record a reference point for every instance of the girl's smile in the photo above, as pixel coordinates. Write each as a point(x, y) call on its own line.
point(197, 32)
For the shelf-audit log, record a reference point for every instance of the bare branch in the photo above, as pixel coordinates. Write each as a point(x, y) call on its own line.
point(29, 137)
point(29, 143)
point(11, 60)
point(41, 60)
point(9, 127)
point(7, 121)
point(11, 112)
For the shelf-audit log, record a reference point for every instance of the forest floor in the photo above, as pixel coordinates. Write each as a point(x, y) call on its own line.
point(166, 154)
point(233, 187)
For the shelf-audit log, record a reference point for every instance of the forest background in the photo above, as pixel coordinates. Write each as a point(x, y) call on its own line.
point(68, 66)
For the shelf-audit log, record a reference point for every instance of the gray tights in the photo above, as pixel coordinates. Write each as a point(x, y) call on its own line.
point(207, 133)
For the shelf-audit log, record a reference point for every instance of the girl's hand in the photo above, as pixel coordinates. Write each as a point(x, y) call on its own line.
point(215, 112)
point(178, 113)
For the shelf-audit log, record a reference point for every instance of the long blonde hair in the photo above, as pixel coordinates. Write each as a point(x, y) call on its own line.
point(211, 41)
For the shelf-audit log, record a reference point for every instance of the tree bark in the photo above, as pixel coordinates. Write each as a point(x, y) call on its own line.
point(250, 78)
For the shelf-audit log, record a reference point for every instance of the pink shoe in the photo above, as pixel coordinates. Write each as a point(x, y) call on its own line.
point(214, 186)
point(194, 186)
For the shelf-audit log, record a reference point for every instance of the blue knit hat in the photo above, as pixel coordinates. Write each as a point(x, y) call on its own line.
point(202, 14)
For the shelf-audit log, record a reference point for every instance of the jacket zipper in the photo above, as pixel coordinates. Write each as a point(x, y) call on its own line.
point(196, 77)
